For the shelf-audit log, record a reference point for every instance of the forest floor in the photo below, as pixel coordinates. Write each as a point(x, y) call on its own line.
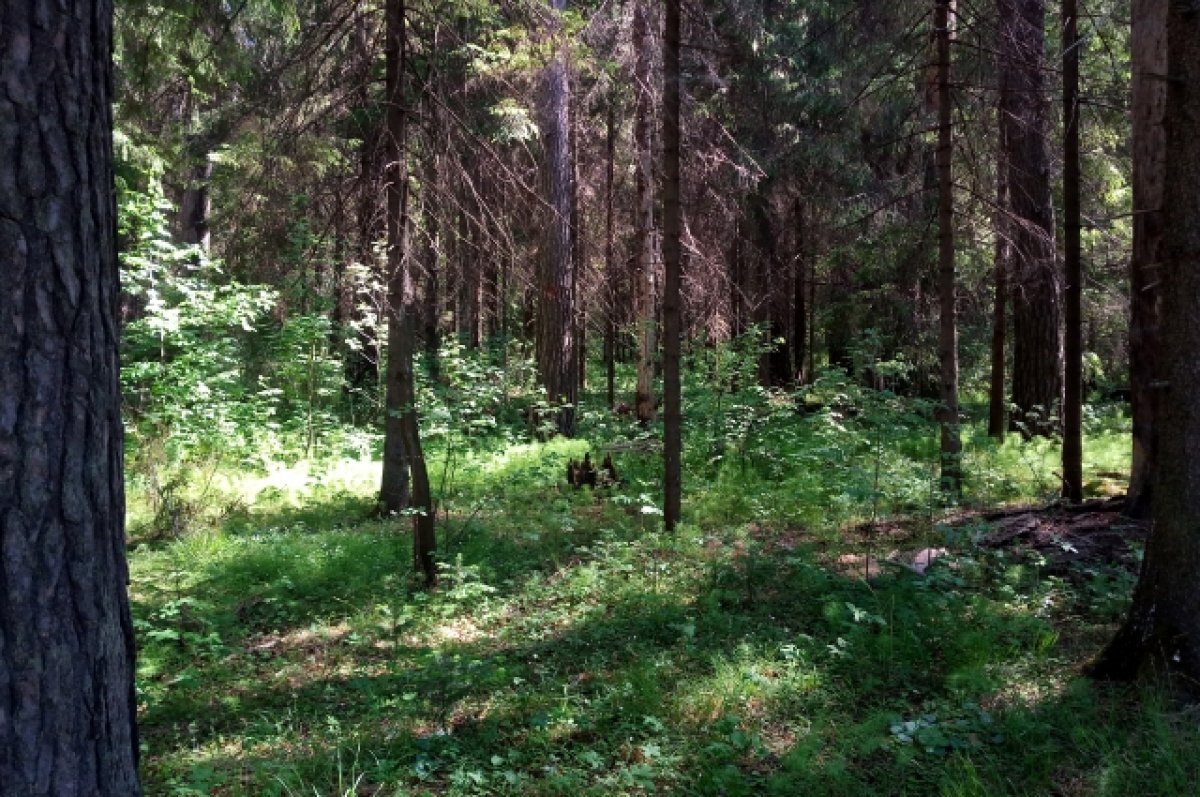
point(815, 627)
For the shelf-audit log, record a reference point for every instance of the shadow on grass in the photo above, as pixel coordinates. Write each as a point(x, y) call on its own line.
point(619, 664)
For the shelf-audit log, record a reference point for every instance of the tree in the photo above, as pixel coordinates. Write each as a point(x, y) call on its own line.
point(672, 255)
point(1149, 55)
point(403, 453)
point(645, 236)
point(556, 295)
point(951, 438)
point(1072, 451)
point(67, 705)
point(1161, 633)
point(1036, 287)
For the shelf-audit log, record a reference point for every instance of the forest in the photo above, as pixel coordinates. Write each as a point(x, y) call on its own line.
point(599, 397)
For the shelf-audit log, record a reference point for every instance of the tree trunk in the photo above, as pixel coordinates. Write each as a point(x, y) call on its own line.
point(1161, 634)
point(67, 705)
point(951, 438)
point(1072, 452)
point(1037, 291)
point(799, 299)
point(610, 263)
point(645, 234)
point(672, 256)
point(556, 299)
point(403, 454)
point(997, 395)
point(1149, 102)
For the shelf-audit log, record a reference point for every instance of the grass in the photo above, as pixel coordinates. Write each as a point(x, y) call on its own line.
point(571, 648)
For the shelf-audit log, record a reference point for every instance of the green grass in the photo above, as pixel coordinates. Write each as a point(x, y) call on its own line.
point(571, 648)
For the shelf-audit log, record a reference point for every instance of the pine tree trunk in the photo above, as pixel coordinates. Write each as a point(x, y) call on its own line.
point(997, 395)
point(672, 257)
point(1161, 634)
point(67, 705)
point(1072, 452)
point(645, 232)
point(951, 438)
point(1149, 53)
point(1037, 290)
point(556, 299)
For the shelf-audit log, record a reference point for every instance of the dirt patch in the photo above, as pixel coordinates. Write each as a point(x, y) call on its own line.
point(1069, 538)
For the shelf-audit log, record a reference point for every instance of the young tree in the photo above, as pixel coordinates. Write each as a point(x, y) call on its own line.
point(672, 255)
point(1149, 53)
point(403, 453)
point(1161, 634)
point(67, 706)
point(951, 438)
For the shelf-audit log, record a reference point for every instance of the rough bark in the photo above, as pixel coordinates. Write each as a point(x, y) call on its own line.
point(1149, 53)
point(1036, 287)
point(556, 298)
point(672, 256)
point(645, 230)
point(951, 438)
point(1072, 452)
point(67, 706)
point(1161, 634)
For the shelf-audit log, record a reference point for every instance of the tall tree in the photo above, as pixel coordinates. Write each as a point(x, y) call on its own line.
point(556, 296)
point(951, 438)
point(1072, 451)
point(645, 237)
point(1149, 53)
point(672, 256)
point(1036, 287)
point(1161, 634)
point(403, 453)
point(67, 706)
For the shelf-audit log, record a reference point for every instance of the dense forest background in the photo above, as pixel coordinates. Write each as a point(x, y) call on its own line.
point(463, 239)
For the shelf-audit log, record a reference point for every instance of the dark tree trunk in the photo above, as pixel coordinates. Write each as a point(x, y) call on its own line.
point(672, 256)
point(610, 263)
point(997, 395)
point(556, 298)
point(1072, 452)
point(1036, 288)
point(1149, 53)
point(195, 206)
point(1161, 634)
point(431, 272)
point(799, 299)
point(403, 454)
point(67, 706)
point(951, 438)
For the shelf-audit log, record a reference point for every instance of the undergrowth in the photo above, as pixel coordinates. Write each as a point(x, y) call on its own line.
point(572, 648)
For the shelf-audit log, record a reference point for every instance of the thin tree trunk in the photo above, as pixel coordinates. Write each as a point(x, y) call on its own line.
point(799, 295)
point(67, 704)
point(672, 257)
point(997, 395)
point(1149, 53)
point(1072, 452)
point(403, 453)
point(610, 265)
point(951, 439)
point(1161, 634)
point(645, 237)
